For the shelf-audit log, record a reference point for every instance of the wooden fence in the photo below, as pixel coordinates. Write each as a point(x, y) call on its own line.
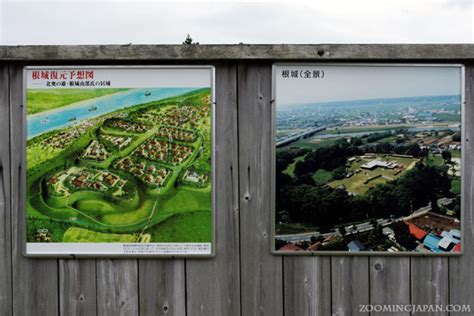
point(244, 278)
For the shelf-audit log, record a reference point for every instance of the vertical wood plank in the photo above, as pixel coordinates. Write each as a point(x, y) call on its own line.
point(307, 285)
point(430, 282)
point(5, 210)
point(77, 287)
point(390, 281)
point(461, 276)
point(213, 286)
point(35, 281)
point(117, 287)
point(261, 272)
point(350, 284)
point(162, 287)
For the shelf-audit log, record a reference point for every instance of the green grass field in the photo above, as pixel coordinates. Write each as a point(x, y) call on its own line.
point(355, 184)
point(370, 128)
point(189, 227)
point(36, 155)
point(290, 170)
point(40, 100)
point(313, 143)
point(456, 153)
point(76, 234)
point(435, 160)
point(322, 176)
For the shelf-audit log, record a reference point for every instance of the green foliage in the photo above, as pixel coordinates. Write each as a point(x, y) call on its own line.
point(403, 236)
point(189, 41)
point(446, 154)
point(327, 207)
point(339, 172)
point(55, 229)
point(456, 137)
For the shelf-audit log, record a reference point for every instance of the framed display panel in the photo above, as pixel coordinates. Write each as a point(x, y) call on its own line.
point(119, 161)
point(367, 159)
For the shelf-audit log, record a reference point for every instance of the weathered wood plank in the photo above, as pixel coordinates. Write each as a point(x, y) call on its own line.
point(77, 287)
point(117, 287)
point(350, 284)
point(315, 52)
point(307, 285)
point(35, 281)
point(430, 282)
point(5, 209)
point(261, 272)
point(162, 287)
point(389, 281)
point(213, 286)
point(461, 276)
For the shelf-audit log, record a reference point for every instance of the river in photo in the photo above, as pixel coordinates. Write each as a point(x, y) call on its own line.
point(410, 129)
point(64, 116)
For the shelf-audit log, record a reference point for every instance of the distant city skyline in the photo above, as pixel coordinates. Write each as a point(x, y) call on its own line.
point(347, 83)
point(329, 103)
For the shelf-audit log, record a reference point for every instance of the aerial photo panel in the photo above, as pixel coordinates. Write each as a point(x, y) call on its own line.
point(119, 161)
point(367, 159)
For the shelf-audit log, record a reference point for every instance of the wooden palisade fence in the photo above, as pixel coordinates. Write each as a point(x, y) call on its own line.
point(244, 278)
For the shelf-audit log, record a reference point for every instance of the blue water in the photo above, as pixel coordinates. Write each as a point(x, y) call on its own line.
point(59, 118)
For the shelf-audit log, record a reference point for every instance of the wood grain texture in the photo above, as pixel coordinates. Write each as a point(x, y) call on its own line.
point(389, 281)
point(350, 285)
point(213, 285)
point(461, 275)
point(117, 287)
point(162, 287)
point(35, 285)
point(430, 282)
point(244, 278)
point(277, 52)
point(77, 287)
point(261, 272)
point(307, 285)
point(5, 209)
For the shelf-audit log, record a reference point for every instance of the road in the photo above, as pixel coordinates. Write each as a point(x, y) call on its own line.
point(361, 227)
point(294, 138)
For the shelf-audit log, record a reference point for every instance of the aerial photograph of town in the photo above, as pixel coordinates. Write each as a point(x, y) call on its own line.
point(119, 165)
point(368, 159)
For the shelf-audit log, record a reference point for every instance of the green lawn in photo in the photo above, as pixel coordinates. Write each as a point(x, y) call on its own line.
point(322, 176)
point(362, 180)
point(291, 167)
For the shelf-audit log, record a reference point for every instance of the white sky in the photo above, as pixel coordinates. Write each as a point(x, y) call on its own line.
point(298, 21)
point(356, 83)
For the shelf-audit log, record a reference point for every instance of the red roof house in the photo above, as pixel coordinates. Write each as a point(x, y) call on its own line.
point(291, 247)
point(415, 231)
point(457, 248)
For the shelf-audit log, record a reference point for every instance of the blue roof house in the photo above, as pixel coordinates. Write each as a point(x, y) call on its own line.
point(431, 242)
point(355, 245)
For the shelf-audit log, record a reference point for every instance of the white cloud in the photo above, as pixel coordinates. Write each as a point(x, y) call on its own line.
point(151, 22)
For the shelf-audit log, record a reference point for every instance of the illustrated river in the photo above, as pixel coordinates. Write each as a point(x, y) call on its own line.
point(61, 117)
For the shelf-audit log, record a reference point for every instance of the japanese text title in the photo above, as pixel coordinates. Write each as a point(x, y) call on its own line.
point(303, 73)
